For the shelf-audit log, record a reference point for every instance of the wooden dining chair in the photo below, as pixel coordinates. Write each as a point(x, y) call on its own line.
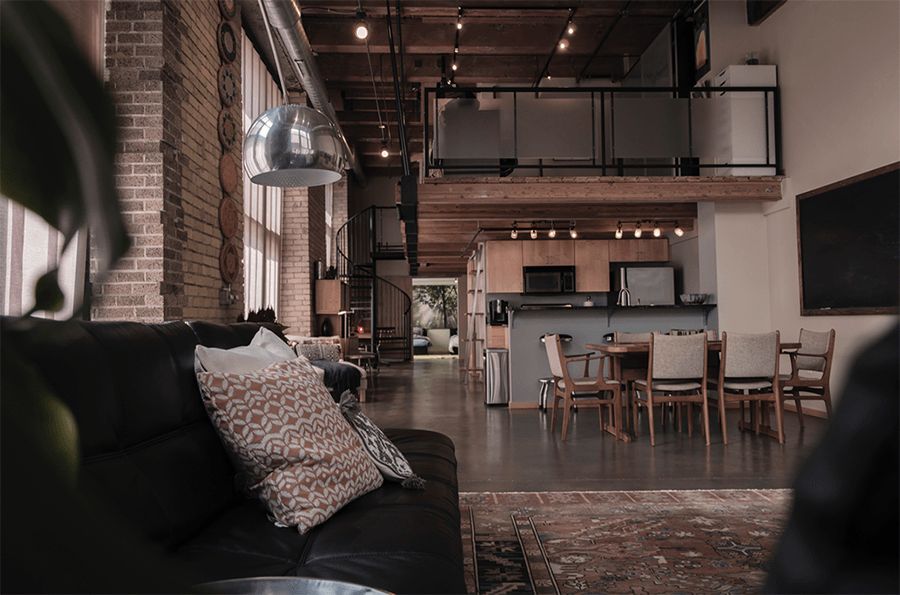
point(568, 388)
point(748, 372)
point(676, 373)
point(810, 377)
point(633, 367)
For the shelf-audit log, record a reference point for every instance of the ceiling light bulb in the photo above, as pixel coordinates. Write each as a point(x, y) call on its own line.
point(459, 24)
point(572, 233)
point(361, 28)
point(454, 67)
point(514, 233)
point(455, 50)
point(571, 28)
point(534, 234)
point(548, 76)
point(656, 231)
point(637, 231)
point(552, 233)
point(563, 44)
point(618, 231)
point(678, 231)
point(384, 150)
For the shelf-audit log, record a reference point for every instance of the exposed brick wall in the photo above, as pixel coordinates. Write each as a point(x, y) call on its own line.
point(295, 293)
point(135, 289)
point(162, 62)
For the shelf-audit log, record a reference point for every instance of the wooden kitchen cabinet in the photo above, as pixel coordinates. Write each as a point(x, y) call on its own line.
point(331, 296)
point(497, 337)
point(591, 265)
point(649, 250)
point(503, 267)
point(538, 253)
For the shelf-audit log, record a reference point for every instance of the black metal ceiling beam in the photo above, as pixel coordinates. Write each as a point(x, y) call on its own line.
point(603, 38)
point(401, 118)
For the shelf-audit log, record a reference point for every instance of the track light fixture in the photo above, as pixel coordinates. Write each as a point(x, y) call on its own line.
point(534, 233)
point(637, 230)
point(548, 75)
point(656, 230)
point(572, 232)
point(459, 18)
point(454, 67)
point(619, 230)
point(678, 231)
point(361, 28)
point(552, 233)
point(514, 232)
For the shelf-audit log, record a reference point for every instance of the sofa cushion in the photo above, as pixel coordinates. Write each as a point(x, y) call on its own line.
point(303, 458)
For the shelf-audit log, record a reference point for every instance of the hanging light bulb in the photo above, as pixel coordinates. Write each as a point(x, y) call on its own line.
point(552, 233)
point(637, 230)
point(459, 18)
point(563, 44)
point(572, 233)
point(361, 28)
point(534, 234)
point(618, 231)
point(656, 230)
point(570, 29)
point(384, 150)
point(454, 67)
point(678, 230)
point(514, 233)
point(548, 75)
point(456, 50)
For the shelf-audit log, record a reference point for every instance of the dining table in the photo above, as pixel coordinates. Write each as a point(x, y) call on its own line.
point(618, 351)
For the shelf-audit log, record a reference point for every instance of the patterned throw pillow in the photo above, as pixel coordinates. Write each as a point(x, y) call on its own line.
point(319, 351)
point(387, 457)
point(303, 458)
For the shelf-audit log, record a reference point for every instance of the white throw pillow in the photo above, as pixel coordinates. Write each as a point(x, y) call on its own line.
point(260, 353)
point(272, 343)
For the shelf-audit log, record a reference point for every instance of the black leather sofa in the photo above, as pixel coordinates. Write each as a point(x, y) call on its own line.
point(150, 456)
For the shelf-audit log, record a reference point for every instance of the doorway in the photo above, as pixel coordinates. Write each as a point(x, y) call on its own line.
point(435, 318)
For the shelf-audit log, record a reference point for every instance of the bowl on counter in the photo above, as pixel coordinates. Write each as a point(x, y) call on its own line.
point(694, 299)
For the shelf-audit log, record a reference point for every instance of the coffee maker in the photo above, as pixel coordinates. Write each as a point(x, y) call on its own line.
point(497, 312)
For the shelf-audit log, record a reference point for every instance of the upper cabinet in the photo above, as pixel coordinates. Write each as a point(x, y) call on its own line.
point(537, 253)
point(649, 250)
point(503, 267)
point(591, 265)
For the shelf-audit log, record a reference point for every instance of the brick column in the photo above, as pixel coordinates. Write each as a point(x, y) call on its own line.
point(339, 214)
point(162, 62)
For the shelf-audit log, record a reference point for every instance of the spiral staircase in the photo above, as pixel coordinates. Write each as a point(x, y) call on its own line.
point(381, 309)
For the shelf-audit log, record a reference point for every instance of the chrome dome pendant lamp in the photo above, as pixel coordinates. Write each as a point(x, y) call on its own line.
point(292, 145)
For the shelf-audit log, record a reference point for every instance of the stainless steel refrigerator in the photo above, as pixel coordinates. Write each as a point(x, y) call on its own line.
point(496, 376)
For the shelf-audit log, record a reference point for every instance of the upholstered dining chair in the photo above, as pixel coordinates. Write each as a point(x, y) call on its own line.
point(810, 377)
point(676, 373)
point(568, 388)
point(748, 372)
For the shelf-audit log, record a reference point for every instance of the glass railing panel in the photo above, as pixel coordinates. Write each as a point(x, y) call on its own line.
point(649, 127)
point(554, 126)
point(475, 128)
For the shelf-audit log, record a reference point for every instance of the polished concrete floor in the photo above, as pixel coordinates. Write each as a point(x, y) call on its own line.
point(513, 450)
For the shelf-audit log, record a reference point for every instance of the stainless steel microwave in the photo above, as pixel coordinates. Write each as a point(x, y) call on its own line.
point(549, 280)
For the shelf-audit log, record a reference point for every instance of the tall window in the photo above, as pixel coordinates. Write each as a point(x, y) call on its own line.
point(262, 204)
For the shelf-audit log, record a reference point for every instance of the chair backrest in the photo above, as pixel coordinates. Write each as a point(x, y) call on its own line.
point(750, 355)
point(814, 342)
point(677, 357)
point(555, 356)
point(620, 337)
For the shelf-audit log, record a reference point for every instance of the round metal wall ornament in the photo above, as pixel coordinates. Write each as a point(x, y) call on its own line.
point(228, 44)
point(229, 174)
point(228, 8)
point(228, 129)
point(228, 84)
point(229, 218)
point(229, 262)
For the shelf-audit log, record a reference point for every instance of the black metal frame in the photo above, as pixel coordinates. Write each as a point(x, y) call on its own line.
point(689, 161)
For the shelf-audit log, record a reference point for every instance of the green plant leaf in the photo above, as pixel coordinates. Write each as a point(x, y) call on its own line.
point(58, 138)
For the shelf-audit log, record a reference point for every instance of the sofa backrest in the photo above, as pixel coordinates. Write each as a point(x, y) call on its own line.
point(148, 449)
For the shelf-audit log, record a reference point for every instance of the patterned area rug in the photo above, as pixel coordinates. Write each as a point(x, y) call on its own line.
point(620, 542)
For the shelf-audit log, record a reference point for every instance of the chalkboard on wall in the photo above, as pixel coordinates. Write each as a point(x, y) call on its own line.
point(848, 243)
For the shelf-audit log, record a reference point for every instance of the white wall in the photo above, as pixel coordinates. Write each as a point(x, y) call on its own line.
point(839, 74)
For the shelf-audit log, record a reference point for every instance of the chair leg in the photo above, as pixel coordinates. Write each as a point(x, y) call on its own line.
point(689, 408)
point(704, 410)
point(635, 427)
point(757, 416)
point(722, 417)
point(799, 404)
point(650, 419)
point(779, 418)
point(553, 412)
point(567, 413)
point(827, 399)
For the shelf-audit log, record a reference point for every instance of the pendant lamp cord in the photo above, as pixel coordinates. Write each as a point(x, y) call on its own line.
point(284, 96)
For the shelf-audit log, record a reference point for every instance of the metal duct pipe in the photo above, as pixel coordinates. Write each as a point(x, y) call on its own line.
point(284, 16)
